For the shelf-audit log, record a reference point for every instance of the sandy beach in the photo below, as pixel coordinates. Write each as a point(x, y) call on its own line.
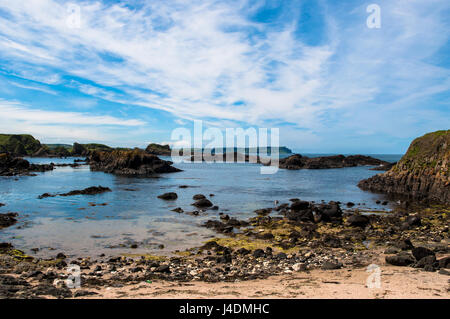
point(396, 282)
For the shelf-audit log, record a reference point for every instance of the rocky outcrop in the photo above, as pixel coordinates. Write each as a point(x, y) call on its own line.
point(93, 190)
point(129, 163)
point(79, 150)
point(157, 149)
point(11, 166)
point(422, 174)
point(19, 144)
point(226, 158)
point(8, 219)
point(298, 161)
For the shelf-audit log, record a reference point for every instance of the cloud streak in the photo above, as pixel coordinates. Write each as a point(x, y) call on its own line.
point(214, 60)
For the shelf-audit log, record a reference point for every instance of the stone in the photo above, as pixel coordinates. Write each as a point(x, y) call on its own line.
point(329, 265)
point(358, 220)
point(400, 260)
point(168, 196)
point(421, 252)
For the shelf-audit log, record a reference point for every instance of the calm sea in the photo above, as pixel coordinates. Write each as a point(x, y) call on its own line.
point(133, 214)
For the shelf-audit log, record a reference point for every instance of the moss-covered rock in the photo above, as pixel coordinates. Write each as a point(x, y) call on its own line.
point(158, 149)
point(423, 173)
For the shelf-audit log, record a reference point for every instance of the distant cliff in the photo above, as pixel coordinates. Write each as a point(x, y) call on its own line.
point(19, 144)
point(157, 149)
point(423, 173)
point(298, 161)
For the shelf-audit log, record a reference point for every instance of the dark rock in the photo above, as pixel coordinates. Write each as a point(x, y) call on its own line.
point(158, 149)
point(421, 174)
point(328, 265)
point(49, 290)
point(5, 246)
point(350, 204)
point(257, 253)
point(413, 220)
point(392, 250)
point(93, 190)
point(178, 210)
point(263, 211)
point(61, 256)
point(429, 268)
point(444, 262)
point(303, 215)
point(358, 220)
point(281, 256)
point(428, 260)
point(300, 205)
point(202, 203)
point(329, 212)
point(163, 269)
point(129, 163)
point(444, 272)
point(243, 251)
point(198, 197)
point(298, 161)
point(400, 260)
point(168, 196)
point(405, 245)
point(79, 150)
point(421, 252)
point(84, 293)
point(12, 166)
point(218, 226)
point(8, 219)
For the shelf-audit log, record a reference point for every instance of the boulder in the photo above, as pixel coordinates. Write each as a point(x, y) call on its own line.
point(8, 219)
point(329, 265)
point(300, 205)
point(203, 203)
point(358, 220)
point(421, 252)
point(413, 220)
point(400, 260)
point(168, 196)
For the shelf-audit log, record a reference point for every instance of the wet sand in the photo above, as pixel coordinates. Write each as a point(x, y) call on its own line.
point(396, 282)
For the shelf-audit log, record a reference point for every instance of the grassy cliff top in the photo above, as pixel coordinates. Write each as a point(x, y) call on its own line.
point(430, 152)
point(22, 144)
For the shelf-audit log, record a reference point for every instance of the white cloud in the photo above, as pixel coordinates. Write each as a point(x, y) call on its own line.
point(12, 111)
point(176, 56)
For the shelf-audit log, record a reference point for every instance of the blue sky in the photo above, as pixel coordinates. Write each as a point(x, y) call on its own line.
point(132, 71)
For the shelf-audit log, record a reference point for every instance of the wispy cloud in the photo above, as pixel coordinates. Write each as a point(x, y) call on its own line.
point(15, 111)
point(224, 62)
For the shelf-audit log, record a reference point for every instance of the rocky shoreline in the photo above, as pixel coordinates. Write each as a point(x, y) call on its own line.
point(298, 161)
point(280, 240)
point(13, 166)
point(423, 173)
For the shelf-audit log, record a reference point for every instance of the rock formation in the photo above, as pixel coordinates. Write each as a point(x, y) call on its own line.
point(157, 149)
point(129, 162)
point(11, 166)
point(298, 161)
point(422, 174)
point(19, 144)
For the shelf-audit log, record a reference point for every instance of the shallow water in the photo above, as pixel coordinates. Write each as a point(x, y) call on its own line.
point(134, 214)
